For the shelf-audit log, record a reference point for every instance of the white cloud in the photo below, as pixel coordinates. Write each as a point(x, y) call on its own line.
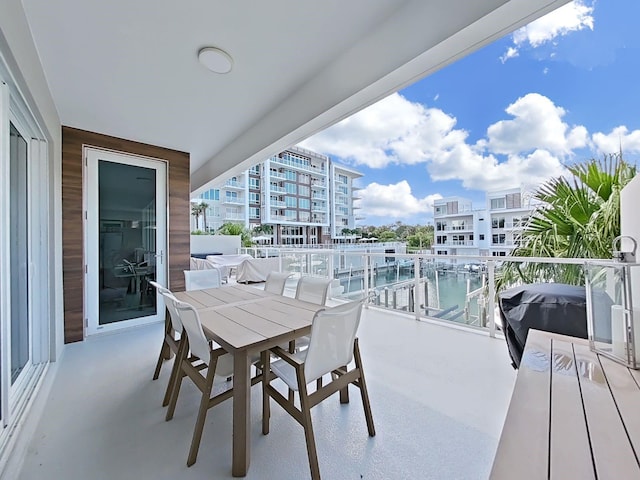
point(619, 137)
point(537, 124)
point(394, 130)
point(395, 201)
point(535, 142)
point(511, 52)
point(572, 17)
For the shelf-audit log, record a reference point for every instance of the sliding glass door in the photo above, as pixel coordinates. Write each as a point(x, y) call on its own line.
point(25, 209)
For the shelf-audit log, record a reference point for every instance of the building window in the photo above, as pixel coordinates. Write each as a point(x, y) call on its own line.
point(290, 175)
point(213, 194)
point(497, 203)
point(254, 182)
point(441, 210)
point(304, 203)
point(497, 222)
point(255, 169)
point(290, 202)
point(291, 188)
point(254, 212)
point(304, 191)
point(482, 236)
point(254, 197)
point(498, 238)
point(342, 179)
point(441, 226)
point(304, 178)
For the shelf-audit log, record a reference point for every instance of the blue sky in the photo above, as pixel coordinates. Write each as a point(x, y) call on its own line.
point(560, 90)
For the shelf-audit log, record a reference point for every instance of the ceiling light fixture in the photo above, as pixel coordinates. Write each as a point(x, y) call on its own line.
point(216, 60)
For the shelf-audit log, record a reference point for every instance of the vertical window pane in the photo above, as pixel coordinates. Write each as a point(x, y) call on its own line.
point(19, 254)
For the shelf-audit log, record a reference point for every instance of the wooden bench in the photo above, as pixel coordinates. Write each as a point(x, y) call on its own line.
point(573, 415)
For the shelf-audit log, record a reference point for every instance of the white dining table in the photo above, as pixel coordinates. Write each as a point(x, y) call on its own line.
point(244, 321)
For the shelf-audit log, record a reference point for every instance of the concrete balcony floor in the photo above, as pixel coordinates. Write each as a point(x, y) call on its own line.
point(439, 396)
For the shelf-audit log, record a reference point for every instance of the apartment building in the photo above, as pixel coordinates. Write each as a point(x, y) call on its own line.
point(302, 195)
point(490, 231)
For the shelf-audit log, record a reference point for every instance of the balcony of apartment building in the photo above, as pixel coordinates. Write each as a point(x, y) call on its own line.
point(233, 199)
point(276, 188)
point(233, 184)
point(298, 164)
point(277, 203)
point(278, 175)
point(233, 217)
point(93, 409)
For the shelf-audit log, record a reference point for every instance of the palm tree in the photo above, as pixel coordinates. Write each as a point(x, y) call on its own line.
point(195, 211)
point(579, 218)
point(203, 211)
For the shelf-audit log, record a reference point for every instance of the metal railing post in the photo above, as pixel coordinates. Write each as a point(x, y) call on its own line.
point(416, 290)
point(330, 273)
point(491, 303)
point(365, 275)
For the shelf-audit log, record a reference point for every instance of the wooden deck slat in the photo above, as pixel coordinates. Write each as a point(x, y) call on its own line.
point(523, 451)
point(627, 395)
point(570, 453)
point(612, 453)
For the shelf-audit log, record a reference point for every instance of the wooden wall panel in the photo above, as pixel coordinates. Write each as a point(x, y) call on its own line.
point(73, 141)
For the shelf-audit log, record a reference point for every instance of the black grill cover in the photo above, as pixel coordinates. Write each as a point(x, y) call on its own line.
point(552, 307)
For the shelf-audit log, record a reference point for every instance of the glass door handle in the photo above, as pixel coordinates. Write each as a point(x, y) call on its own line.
point(160, 256)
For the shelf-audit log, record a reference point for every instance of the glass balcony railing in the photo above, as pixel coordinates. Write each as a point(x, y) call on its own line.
point(460, 289)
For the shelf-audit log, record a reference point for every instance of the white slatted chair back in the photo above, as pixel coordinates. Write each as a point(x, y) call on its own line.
point(313, 290)
point(276, 282)
point(193, 263)
point(198, 343)
point(173, 315)
point(200, 279)
point(331, 340)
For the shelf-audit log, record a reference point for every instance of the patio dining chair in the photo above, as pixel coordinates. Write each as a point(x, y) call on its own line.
point(332, 348)
point(171, 342)
point(216, 361)
point(201, 279)
point(276, 282)
point(312, 290)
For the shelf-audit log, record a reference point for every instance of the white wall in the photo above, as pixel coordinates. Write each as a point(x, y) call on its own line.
point(20, 56)
point(629, 218)
point(226, 244)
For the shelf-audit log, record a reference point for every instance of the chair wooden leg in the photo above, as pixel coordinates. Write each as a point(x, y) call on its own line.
point(177, 380)
point(344, 393)
point(266, 406)
point(319, 383)
point(175, 370)
point(308, 427)
point(156, 373)
point(202, 413)
point(363, 390)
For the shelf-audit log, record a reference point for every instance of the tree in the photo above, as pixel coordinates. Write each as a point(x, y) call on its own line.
point(237, 229)
point(578, 218)
point(195, 211)
point(203, 211)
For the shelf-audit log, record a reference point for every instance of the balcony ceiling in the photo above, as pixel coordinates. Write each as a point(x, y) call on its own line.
point(130, 69)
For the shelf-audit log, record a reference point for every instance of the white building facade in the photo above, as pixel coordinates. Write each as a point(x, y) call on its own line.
point(302, 196)
point(494, 230)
